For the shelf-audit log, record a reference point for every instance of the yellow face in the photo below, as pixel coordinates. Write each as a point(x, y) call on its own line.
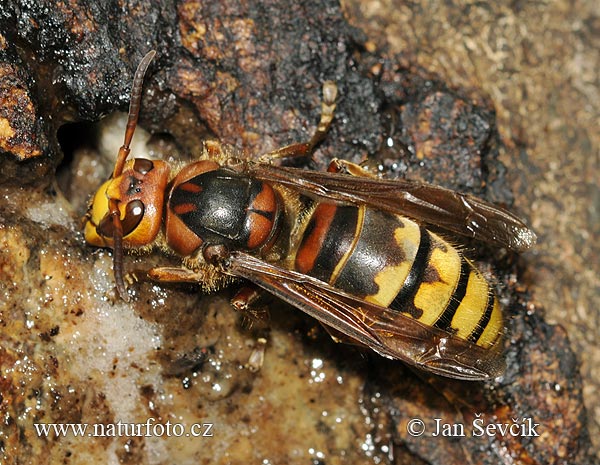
point(139, 192)
point(97, 210)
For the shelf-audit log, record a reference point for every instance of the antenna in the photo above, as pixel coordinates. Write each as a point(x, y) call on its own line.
point(134, 110)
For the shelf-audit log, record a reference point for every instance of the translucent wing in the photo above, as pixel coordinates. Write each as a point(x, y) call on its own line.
point(388, 332)
point(459, 213)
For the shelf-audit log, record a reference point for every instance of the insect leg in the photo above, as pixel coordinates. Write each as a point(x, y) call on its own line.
point(173, 274)
point(257, 357)
point(306, 149)
point(347, 167)
point(249, 301)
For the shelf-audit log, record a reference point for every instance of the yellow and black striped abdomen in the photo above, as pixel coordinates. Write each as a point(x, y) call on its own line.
point(392, 261)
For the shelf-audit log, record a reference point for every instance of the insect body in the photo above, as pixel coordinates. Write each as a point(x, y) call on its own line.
point(349, 249)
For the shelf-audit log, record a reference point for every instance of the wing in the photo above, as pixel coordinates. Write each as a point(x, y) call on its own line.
point(455, 212)
point(388, 332)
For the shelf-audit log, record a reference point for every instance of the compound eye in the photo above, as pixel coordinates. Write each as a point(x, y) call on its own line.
point(142, 165)
point(134, 212)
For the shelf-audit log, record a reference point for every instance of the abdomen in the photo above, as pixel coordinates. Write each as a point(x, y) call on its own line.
point(392, 261)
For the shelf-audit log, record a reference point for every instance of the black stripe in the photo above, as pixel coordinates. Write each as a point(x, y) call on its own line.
point(337, 241)
point(484, 320)
point(444, 320)
point(415, 275)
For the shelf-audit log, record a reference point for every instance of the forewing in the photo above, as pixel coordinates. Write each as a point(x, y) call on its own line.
point(459, 213)
point(388, 332)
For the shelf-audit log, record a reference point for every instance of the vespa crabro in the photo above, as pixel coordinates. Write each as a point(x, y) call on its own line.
point(346, 247)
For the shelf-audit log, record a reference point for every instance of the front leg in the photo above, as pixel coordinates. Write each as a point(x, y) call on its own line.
point(208, 277)
point(207, 274)
point(173, 274)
